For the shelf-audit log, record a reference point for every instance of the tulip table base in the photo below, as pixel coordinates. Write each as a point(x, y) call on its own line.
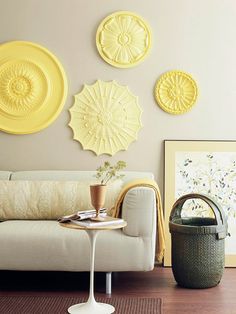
point(91, 306)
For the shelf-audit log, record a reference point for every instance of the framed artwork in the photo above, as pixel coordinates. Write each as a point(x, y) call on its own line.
point(207, 167)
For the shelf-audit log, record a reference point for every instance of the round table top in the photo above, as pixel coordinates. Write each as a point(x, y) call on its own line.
point(105, 227)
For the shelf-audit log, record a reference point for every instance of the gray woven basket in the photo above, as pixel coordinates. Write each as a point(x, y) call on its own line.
point(198, 245)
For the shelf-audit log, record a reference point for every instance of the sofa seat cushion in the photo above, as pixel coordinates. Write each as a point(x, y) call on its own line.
point(45, 245)
point(48, 199)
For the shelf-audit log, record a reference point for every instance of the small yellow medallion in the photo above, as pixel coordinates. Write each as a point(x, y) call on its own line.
point(176, 92)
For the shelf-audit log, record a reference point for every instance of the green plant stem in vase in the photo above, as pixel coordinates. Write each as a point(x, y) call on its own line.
point(104, 174)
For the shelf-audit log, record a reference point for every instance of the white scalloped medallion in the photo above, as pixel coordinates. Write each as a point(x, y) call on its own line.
point(123, 39)
point(105, 117)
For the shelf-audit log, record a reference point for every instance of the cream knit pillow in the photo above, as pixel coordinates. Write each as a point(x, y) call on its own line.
point(48, 199)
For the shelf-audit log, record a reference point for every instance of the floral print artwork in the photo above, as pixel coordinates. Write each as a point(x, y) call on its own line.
point(212, 173)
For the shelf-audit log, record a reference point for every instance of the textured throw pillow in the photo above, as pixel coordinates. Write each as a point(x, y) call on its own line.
point(49, 199)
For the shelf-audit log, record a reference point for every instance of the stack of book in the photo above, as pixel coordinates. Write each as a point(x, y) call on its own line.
point(85, 219)
point(82, 215)
point(106, 221)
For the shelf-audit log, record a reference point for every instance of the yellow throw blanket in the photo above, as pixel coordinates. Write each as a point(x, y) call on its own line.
point(160, 247)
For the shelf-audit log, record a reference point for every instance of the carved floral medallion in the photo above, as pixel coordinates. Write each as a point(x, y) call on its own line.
point(23, 87)
point(123, 39)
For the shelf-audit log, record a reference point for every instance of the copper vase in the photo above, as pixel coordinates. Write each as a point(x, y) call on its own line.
point(98, 195)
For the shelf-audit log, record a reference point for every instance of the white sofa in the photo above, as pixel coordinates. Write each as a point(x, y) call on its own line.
point(43, 245)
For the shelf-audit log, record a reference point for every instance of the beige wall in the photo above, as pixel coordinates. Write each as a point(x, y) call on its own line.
point(198, 37)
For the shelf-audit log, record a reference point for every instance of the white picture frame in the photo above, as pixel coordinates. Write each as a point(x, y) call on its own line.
point(207, 167)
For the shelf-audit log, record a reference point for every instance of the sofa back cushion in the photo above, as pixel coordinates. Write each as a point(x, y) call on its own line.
point(48, 199)
point(5, 175)
point(72, 175)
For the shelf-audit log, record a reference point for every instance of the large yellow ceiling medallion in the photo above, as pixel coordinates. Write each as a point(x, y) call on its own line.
point(33, 87)
point(105, 117)
point(176, 92)
point(123, 39)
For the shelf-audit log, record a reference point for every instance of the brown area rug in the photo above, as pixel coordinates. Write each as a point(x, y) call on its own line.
point(59, 305)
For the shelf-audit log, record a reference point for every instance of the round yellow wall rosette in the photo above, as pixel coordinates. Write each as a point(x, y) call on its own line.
point(176, 92)
point(105, 117)
point(33, 87)
point(123, 39)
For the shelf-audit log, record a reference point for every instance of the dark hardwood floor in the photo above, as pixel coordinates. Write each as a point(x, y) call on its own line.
point(158, 283)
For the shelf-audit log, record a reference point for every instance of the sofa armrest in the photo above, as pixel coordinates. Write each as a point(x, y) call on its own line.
point(139, 210)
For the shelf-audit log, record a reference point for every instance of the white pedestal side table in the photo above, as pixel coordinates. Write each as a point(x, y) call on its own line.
point(91, 306)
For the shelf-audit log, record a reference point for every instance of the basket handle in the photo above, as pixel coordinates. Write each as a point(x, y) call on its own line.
point(216, 208)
